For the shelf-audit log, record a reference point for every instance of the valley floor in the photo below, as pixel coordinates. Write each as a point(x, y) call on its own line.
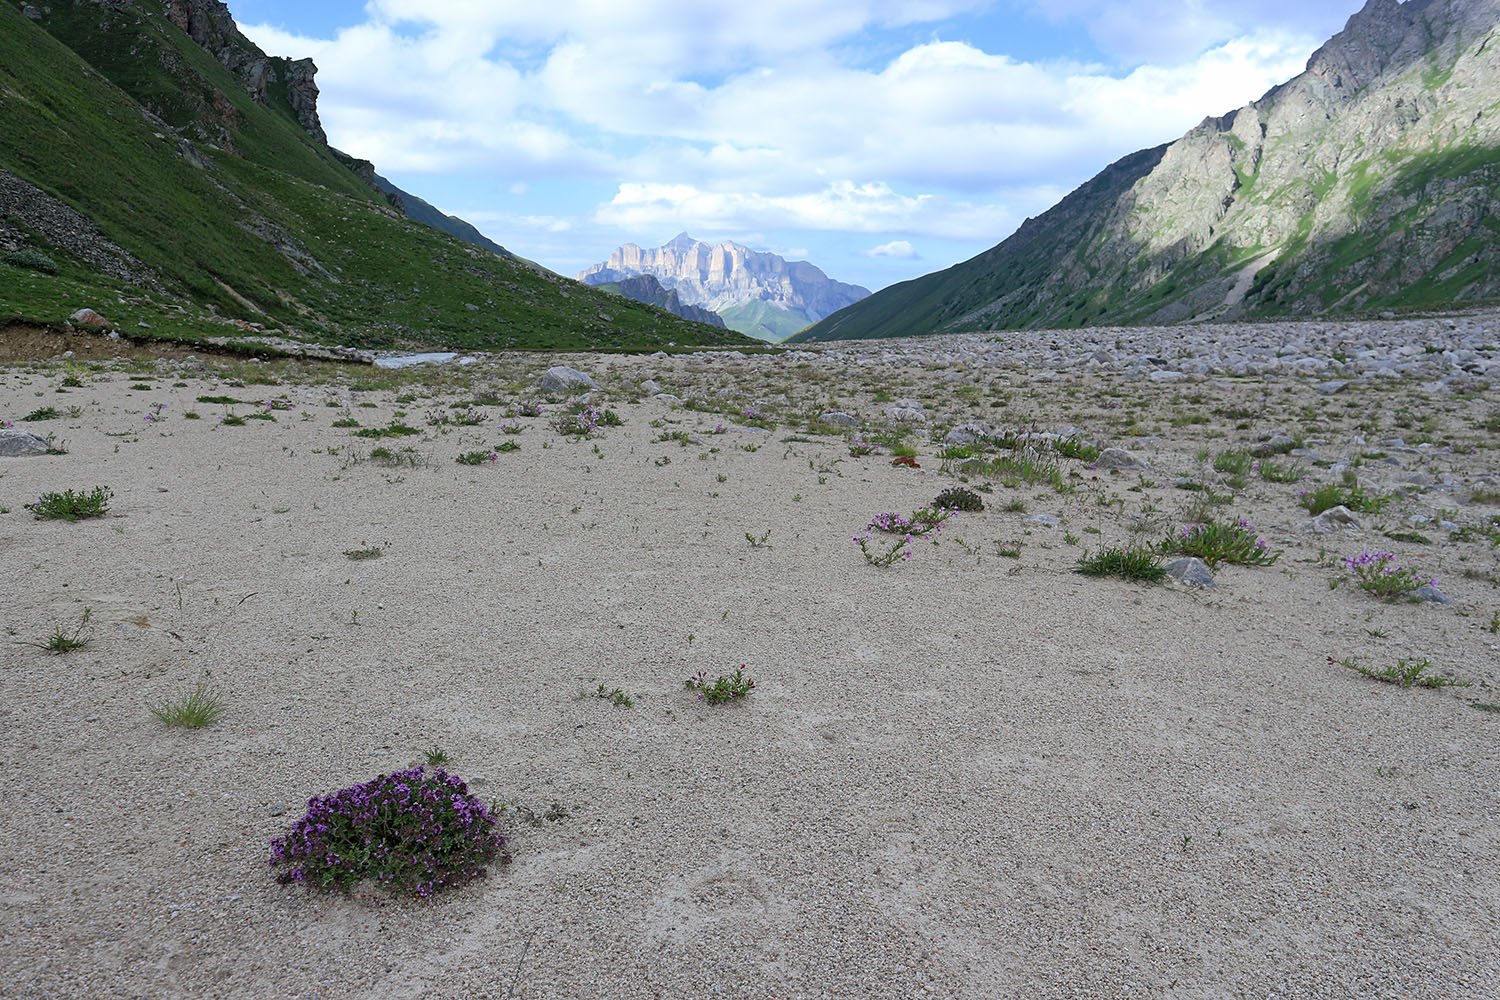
point(974, 773)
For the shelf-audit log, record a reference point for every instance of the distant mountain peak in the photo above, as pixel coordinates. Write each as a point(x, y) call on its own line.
point(728, 275)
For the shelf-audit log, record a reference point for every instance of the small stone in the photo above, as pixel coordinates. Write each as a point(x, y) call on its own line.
point(966, 434)
point(1046, 520)
point(1276, 444)
point(1332, 519)
point(561, 378)
point(1119, 458)
point(88, 318)
point(650, 387)
point(1192, 570)
point(20, 444)
point(1166, 377)
point(840, 418)
point(1330, 387)
point(1430, 593)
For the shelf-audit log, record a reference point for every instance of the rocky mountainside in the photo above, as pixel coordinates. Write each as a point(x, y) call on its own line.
point(1369, 182)
point(157, 166)
point(728, 275)
point(645, 288)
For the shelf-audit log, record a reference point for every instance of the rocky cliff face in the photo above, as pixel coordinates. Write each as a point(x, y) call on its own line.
point(719, 277)
point(1372, 180)
point(209, 23)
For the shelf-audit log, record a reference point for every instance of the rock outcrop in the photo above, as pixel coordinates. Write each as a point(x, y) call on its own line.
point(1370, 181)
point(209, 23)
point(727, 275)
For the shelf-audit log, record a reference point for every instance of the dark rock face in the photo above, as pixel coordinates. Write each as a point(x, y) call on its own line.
point(645, 288)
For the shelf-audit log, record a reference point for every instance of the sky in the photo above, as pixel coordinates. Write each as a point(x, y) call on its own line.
point(878, 139)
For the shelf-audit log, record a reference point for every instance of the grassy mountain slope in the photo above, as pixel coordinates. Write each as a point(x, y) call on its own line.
point(1371, 181)
point(262, 225)
point(763, 320)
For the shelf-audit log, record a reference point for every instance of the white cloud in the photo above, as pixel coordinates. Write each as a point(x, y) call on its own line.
point(724, 117)
point(841, 206)
point(898, 249)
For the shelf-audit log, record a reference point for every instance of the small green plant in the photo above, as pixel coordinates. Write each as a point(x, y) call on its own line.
point(31, 260)
point(346, 422)
point(42, 413)
point(479, 457)
point(393, 429)
point(435, 756)
point(1129, 564)
point(1413, 537)
point(223, 400)
point(958, 498)
point(202, 706)
point(70, 506)
point(232, 420)
point(1271, 472)
point(1078, 449)
point(63, 642)
point(1015, 507)
point(1352, 496)
point(1235, 464)
point(1404, 673)
point(759, 543)
point(725, 689)
point(359, 555)
point(615, 697)
point(1218, 542)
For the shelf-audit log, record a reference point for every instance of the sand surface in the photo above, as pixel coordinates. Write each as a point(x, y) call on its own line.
point(965, 775)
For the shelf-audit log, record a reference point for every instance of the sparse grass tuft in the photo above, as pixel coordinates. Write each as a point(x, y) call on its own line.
point(202, 706)
point(1129, 564)
point(725, 689)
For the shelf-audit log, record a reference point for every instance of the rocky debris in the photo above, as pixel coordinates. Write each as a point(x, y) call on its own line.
point(1045, 520)
point(1333, 519)
point(1191, 570)
point(840, 418)
point(20, 444)
point(569, 381)
point(1430, 593)
point(66, 230)
point(906, 411)
point(1125, 461)
point(87, 317)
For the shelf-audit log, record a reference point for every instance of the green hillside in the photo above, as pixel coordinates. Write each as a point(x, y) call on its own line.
point(229, 207)
point(763, 320)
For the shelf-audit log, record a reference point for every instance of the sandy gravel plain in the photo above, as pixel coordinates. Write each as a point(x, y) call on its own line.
point(965, 775)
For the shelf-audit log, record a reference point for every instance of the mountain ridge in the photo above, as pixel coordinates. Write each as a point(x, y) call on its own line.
point(1369, 181)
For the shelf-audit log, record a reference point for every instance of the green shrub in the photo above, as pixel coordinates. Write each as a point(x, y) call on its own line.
point(70, 506)
point(31, 260)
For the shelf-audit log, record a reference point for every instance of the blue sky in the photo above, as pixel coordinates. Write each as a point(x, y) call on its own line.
point(880, 139)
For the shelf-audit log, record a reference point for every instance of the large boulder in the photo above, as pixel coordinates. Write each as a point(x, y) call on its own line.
point(562, 379)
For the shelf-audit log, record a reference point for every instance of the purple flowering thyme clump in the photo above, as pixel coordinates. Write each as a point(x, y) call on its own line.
point(410, 831)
